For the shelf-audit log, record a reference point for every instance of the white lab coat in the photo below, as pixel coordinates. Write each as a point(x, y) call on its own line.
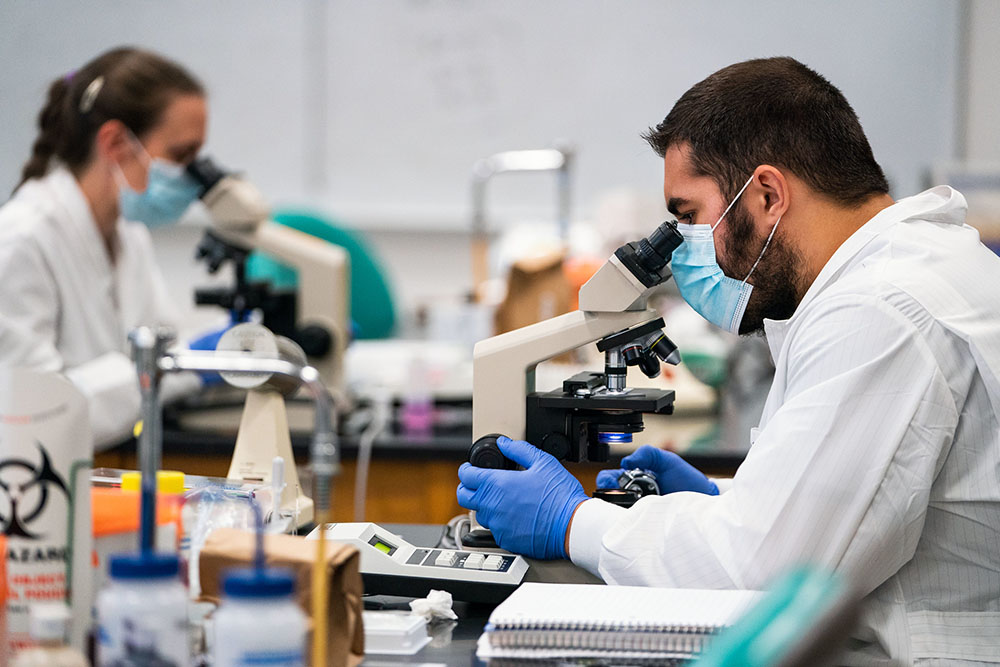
point(878, 452)
point(64, 306)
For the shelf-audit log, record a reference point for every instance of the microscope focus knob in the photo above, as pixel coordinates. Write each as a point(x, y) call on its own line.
point(556, 444)
point(315, 339)
point(485, 453)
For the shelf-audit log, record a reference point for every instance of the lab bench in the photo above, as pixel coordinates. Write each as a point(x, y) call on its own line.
point(412, 478)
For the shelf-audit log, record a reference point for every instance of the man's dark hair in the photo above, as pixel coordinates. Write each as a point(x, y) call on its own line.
point(773, 111)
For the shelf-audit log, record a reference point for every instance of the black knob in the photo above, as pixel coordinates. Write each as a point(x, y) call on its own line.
point(556, 444)
point(485, 453)
point(315, 340)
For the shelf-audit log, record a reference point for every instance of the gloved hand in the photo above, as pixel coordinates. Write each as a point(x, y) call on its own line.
point(671, 471)
point(208, 341)
point(527, 510)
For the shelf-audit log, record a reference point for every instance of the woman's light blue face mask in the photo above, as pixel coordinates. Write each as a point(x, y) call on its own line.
point(715, 296)
point(169, 191)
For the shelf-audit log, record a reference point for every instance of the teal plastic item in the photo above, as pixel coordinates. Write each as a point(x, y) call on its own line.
point(806, 613)
point(372, 309)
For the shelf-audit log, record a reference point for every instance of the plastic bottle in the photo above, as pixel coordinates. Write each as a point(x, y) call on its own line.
point(45, 429)
point(259, 622)
point(3, 600)
point(416, 415)
point(142, 613)
point(48, 624)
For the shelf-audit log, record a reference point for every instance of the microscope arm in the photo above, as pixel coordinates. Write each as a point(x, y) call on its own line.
point(504, 366)
point(323, 271)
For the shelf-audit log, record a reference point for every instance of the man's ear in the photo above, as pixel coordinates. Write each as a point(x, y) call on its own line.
point(770, 199)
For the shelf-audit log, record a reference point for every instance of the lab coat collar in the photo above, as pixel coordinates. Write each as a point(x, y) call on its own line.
point(79, 223)
point(941, 204)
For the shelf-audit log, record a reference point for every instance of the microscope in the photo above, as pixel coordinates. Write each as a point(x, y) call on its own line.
point(316, 316)
point(592, 410)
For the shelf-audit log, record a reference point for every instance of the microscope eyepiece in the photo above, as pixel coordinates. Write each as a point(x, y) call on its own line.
point(647, 257)
point(206, 173)
point(655, 250)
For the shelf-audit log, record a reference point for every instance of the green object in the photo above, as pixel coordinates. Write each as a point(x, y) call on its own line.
point(708, 368)
point(372, 310)
point(803, 614)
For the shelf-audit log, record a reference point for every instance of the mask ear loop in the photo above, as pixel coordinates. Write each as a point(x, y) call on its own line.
point(144, 157)
point(763, 250)
point(732, 203)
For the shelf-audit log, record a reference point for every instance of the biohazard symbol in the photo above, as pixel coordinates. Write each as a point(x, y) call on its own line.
point(24, 493)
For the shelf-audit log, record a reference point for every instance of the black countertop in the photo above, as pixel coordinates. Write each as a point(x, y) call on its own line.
point(449, 440)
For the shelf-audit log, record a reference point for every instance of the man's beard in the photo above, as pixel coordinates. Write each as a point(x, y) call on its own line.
point(775, 292)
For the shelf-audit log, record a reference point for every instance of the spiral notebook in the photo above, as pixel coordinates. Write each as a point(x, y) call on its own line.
point(558, 621)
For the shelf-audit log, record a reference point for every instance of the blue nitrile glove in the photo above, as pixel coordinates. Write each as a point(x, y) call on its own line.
point(209, 341)
point(527, 510)
point(671, 471)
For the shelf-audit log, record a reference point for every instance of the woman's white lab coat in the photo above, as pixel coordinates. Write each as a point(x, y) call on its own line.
point(66, 306)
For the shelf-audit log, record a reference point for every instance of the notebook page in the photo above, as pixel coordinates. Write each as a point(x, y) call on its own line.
point(594, 607)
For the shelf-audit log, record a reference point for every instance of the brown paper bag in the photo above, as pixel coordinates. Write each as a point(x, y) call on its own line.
point(537, 289)
point(228, 548)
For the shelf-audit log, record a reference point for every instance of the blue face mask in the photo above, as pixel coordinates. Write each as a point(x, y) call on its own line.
point(715, 296)
point(169, 191)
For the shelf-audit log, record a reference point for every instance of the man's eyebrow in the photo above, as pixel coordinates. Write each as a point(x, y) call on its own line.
point(675, 203)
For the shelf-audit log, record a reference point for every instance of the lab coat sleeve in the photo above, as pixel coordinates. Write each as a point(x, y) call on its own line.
point(839, 476)
point(111, 385)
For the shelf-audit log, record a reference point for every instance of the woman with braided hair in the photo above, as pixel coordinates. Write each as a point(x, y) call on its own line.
point(77, 270)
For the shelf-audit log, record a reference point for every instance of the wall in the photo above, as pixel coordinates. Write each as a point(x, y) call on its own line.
point(375, 112)
point(980, 140)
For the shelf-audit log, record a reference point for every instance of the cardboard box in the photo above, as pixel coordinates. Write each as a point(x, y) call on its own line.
point(228, 548)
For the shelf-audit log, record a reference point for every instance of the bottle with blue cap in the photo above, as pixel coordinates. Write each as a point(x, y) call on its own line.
point(142, 614)
point(258, 622)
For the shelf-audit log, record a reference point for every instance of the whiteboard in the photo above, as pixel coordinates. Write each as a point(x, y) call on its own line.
point(376, 111)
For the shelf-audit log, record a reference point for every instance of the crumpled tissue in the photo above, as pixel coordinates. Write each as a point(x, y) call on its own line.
point(436, 605)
